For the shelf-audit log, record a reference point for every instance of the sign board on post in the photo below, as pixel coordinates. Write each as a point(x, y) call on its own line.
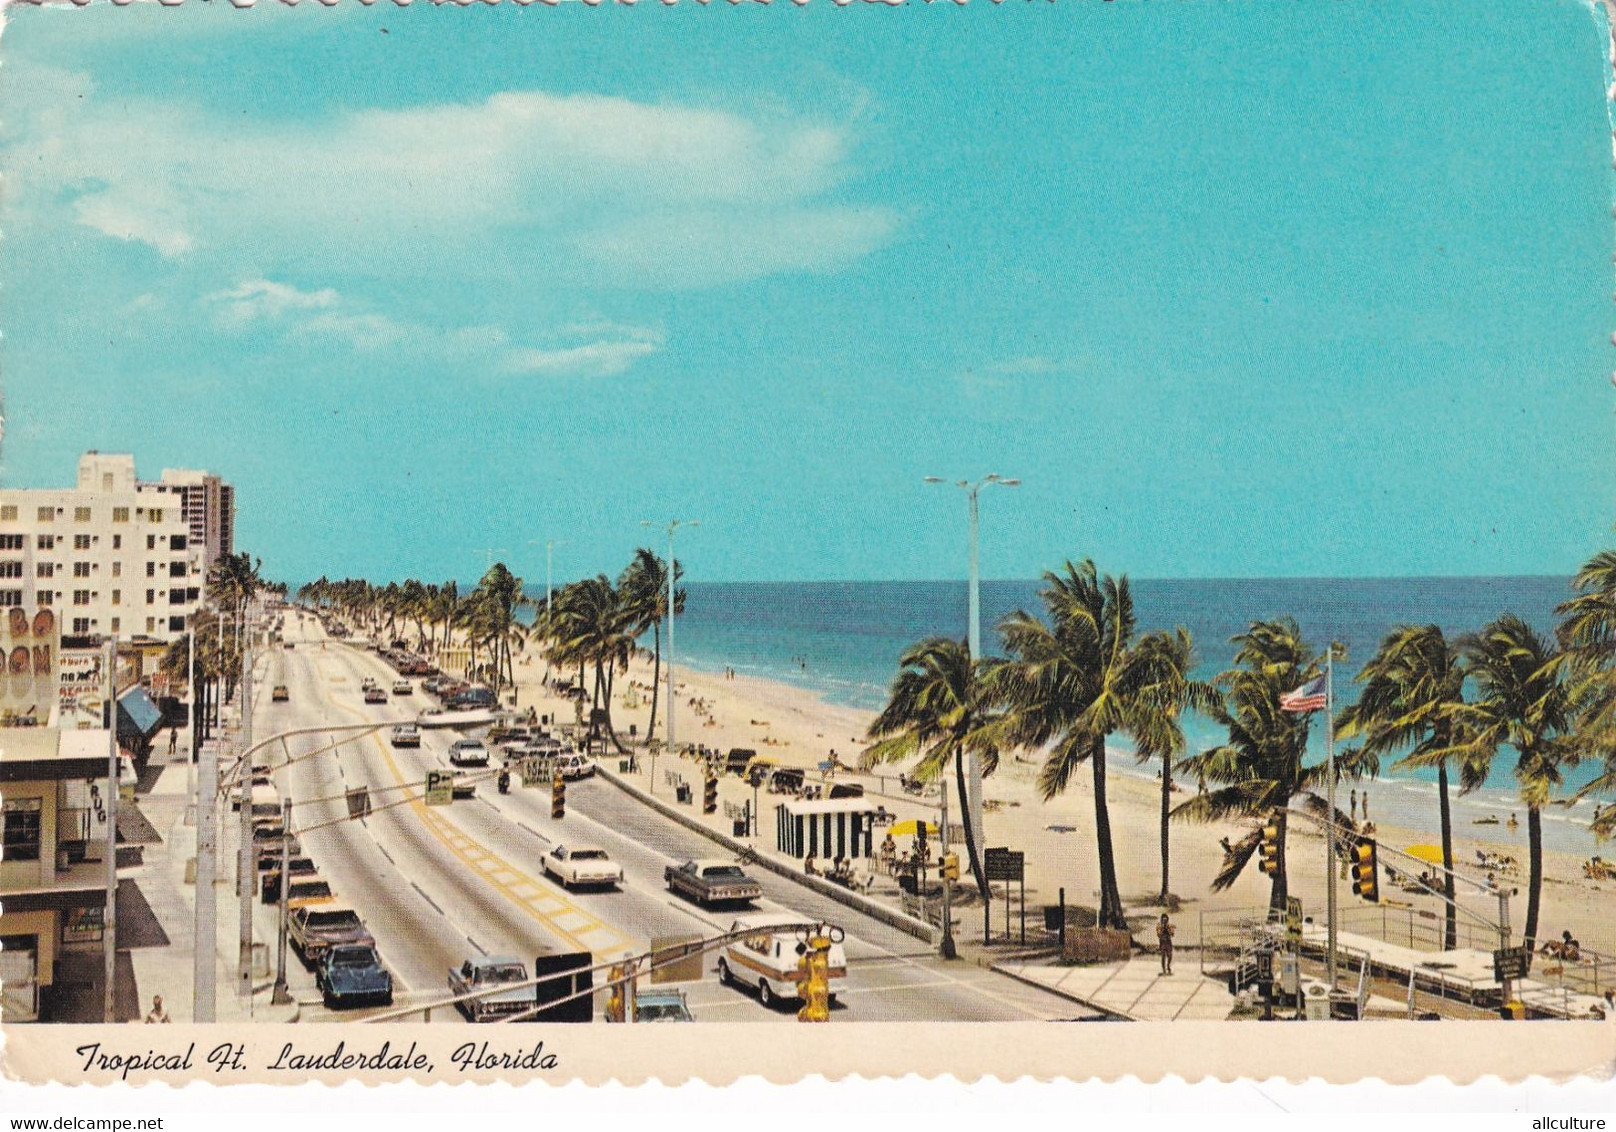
point(1293, 919)
point(81, 688)
point(572, 977)
point(439, 788)
point(1511, 962)
point(1003, 864)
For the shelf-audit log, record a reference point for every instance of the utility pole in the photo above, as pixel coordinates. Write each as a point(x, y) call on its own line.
point(244, 863)
point(205, 928)
point(972, 802)
point(946, 946)
point(109, 917)
point(1330, 839)
point(281, 995)
point(672, 526)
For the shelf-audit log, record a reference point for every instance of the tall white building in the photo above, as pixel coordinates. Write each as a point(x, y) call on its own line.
point(109, 557)
point(209, 505)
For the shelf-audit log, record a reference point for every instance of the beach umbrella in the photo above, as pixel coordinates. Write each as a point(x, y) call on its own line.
point(910, 828)
point(1430, 854)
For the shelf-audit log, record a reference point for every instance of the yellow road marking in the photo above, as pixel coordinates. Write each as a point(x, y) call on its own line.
point(543, 904)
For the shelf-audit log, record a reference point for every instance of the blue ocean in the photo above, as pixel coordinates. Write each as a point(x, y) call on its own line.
point(843, 639)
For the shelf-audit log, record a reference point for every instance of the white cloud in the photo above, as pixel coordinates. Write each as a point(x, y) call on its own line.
point(599, 349)
point(588, 189)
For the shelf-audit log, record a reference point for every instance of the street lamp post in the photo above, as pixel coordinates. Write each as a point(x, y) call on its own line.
point(673, 525)
point(971, 805)
point(109, 917)
point(244, 863)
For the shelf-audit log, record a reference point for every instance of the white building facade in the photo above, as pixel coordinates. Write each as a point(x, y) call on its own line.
point(107, 556)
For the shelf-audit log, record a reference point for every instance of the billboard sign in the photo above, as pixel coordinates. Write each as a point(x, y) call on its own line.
point(29, 644)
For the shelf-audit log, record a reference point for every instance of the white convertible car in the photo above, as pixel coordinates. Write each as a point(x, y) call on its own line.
point(582, 866)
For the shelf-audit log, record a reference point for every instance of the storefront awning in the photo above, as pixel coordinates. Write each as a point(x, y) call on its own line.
point(138, 718)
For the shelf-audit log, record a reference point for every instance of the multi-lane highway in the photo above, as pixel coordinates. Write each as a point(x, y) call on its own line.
point(439, 885)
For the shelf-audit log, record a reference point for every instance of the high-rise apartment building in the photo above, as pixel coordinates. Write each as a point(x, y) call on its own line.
point(209, 506)
point(108, 556)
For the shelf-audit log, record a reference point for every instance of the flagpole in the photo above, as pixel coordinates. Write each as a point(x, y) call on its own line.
point(1330, 856)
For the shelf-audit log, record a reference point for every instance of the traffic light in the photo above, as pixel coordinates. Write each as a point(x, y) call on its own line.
point(813, 975)
point(951, 866)
point(1365, 869)
point(709, 795)
point(615, 999)
point(1269, 850)
point(558, 796)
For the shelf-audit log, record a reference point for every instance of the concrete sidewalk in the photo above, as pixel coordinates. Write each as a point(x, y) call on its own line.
point(168, 971)
point(1136, 989)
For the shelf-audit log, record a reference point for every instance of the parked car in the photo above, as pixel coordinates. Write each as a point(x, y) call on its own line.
point(486, 973)
point(573, 766)
point(351, 974)
point(314, 928)
point(712, 882)
point(406, 735)
point(468, 752)
point(403, 688)
point(738, 759)
point(307, 891)
point(269, 867)
point(280, 695)
point(769, 956)
point(581, 865)
point(375, 695)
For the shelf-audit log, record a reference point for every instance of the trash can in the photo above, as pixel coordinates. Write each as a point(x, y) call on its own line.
point(740, 827)
point(683, 793)
point(622, 766)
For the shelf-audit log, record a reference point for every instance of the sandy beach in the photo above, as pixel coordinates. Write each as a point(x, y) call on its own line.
point(798, 727)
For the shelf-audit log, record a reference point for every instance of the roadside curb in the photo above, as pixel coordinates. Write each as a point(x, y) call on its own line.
point(874, 909)
point(1110, 1012)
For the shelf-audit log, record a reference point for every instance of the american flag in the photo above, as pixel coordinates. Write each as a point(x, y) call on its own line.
point(1309, 697)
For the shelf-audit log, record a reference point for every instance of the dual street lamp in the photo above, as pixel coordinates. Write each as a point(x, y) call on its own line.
point(972, 803)
point(672, 526)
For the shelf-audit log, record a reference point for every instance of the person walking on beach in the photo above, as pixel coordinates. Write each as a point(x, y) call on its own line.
point(1164, 943)
point(1355, 805)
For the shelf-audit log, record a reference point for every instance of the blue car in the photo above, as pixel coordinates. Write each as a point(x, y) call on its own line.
point(351, 974)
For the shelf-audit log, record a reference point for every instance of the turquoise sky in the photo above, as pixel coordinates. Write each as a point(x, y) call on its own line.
point(1262, 288)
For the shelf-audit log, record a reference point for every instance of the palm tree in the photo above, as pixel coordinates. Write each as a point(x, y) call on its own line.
point(1263, 765)
point(1070, 685)
point(1524, 702)
point(493, 619)
point(1157, 725)
point(935, 711)
point(1412, 698)
point(643, 587)
point(1588, 639)
point(591, 627)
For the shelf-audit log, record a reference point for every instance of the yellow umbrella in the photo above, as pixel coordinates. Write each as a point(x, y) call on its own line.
point(910, 828)
point(1430, 854)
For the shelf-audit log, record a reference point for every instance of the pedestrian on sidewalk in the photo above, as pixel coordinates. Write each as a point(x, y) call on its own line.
point(173, 739)
point(1164, 943)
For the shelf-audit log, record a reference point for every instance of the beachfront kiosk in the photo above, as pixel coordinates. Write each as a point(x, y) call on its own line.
point(826, 828)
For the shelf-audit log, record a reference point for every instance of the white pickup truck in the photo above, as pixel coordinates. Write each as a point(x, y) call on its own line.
point(484, 974)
